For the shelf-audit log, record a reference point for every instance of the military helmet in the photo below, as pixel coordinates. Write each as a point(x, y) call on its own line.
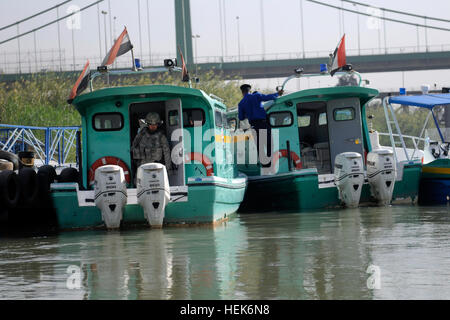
point(152, 118)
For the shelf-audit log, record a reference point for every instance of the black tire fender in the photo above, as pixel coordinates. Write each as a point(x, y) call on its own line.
point(9, 189)
point(69, 175)
point(10, 157)
point(29, 187)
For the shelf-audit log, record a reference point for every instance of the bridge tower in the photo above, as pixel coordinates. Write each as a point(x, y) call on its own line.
point(183, 31)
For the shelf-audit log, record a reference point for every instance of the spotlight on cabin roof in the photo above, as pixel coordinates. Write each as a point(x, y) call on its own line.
point(170, 63)
point(102, 69)
point(298, 70)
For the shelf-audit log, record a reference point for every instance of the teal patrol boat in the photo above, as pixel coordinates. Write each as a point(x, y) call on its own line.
point(322, 154)
point(202, 187)
point(435, 152)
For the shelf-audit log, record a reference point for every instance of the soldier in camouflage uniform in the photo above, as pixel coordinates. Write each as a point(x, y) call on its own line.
point(151, 145)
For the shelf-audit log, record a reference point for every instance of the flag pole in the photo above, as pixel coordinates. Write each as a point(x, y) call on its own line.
point(91, 86)
point(133, 63)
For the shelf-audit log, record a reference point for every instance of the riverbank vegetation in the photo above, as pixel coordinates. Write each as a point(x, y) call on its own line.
point(42, 100)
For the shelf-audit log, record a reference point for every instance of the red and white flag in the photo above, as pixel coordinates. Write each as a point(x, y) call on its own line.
point(81, 84)
point(120, 47)
point(184, 71)
point(338, 59)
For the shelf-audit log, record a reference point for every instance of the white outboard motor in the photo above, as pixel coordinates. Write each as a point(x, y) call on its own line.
point(153, 192)
point(381, 173)
point(349, 177)
point(110, 194)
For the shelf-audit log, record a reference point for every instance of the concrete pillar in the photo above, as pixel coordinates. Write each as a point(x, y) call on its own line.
point(183, 31)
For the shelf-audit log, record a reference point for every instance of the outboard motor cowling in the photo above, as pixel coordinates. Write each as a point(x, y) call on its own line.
point(153, 192)
point(110, 194)
point(381, 173)
point(349, 177)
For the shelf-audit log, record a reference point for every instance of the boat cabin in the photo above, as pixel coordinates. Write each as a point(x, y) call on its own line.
point(193, 122)
point(311, 127)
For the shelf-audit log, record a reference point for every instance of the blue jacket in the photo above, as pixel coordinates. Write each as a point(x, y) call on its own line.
point(251, 107)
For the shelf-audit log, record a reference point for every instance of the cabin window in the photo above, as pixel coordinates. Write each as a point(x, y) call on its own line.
point(193, 118)
point(218, 117)
point(322, 119)
point(280, 119)
point(304, 121)
point(225, 121)
point(111, 121)
point(344, 114)
point(173, 118)
point(232, 124)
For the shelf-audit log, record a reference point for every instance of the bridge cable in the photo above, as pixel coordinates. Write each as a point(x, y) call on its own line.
point(50, 23)
point(34, 15)
point(395, 11)
point(382, 18)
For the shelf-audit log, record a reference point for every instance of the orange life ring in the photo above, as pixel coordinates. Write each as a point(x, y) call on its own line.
point(284, 154)
point(196, 156)
point(103, 161)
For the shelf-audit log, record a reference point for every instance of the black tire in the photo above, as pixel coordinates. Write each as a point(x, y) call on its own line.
point(9, 189)
point(29, 187)
point(68, 175)
point(46, 175)
point(10, 157)
point(49, 171)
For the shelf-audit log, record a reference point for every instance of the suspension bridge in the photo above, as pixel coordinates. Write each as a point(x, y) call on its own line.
point(381, 58)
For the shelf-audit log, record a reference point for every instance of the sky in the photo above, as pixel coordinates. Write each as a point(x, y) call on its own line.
point(270, 27)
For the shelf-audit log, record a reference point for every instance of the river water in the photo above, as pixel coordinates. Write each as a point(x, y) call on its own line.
point(398, 252)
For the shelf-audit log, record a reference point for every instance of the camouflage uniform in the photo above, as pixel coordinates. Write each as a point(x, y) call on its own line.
point(151, 146)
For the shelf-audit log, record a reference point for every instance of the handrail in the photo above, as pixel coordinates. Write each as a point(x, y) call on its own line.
point(416, 140)
point(129, 72)
point(54, 144)
point(301, 75)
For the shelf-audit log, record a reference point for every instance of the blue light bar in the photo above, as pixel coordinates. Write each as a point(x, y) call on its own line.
point(137, 63)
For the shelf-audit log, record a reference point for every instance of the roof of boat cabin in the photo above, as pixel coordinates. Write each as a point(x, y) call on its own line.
point(428, 101)
point(104, 94)
point(330, 93)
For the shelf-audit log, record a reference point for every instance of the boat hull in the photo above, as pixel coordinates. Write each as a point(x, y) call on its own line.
point(299, 192)
point(435, 183)
point(434, 191)
point(207, 204)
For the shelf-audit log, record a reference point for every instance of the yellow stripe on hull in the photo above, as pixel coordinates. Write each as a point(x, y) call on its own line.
point(435, 170)
point(231, 139)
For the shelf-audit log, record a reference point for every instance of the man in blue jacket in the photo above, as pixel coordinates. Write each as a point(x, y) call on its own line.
point(251, 108)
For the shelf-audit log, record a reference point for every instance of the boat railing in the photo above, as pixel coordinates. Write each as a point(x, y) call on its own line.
point(298, 73)
point(51, 145)
point(415, 143)
point(106, 73)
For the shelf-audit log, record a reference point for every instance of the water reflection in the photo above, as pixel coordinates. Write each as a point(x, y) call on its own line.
point(312, 255)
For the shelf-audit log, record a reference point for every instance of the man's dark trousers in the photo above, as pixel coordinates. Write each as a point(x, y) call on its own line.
point(258, 125)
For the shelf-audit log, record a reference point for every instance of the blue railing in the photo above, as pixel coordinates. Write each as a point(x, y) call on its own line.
point(51, 145)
